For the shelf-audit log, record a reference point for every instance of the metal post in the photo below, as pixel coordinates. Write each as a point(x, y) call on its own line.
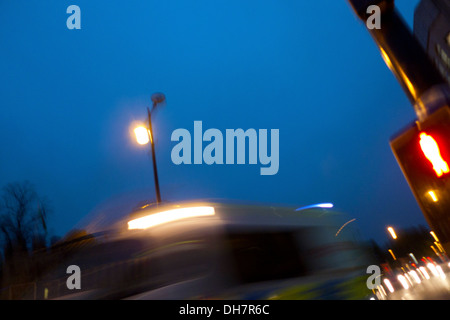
point(155, 171)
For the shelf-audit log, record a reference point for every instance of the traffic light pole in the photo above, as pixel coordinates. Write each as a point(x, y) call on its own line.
point(404, 55)
point(429, 94)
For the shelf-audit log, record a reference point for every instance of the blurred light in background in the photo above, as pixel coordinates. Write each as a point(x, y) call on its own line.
point(414, 258)
point(392, 254)
point(434, 236)
point(403, 281)
point(415, 276)
point(392, 232)
point(318, 205)
point(424, 272)
point(388, 285)
point(433, 269)
point(441, 272)
point(340, 229)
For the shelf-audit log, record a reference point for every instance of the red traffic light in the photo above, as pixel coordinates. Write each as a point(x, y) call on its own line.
point(431, 150)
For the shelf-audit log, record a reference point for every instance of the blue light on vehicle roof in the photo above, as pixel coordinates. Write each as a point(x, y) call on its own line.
point(318, 205)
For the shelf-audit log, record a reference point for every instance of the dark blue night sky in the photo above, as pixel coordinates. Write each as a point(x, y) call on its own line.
point(307, 68)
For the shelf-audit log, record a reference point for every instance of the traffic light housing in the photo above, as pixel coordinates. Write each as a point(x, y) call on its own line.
point(423, 153)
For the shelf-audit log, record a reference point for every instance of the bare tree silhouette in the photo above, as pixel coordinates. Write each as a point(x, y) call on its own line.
point(23, 228)
point(23, 216)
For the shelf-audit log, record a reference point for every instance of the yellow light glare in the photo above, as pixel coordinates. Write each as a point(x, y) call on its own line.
point(142, 135)
point(386, 59)
point(433, 196)
point(438, 245)
point(401, 73)
point(409, 85)
point(392, 232)
point(434, 236)
point(434, 249)
point(169, 216)
point(392, 254)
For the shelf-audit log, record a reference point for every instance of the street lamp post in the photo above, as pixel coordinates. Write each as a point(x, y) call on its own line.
point(155, 170)
point(157, 98)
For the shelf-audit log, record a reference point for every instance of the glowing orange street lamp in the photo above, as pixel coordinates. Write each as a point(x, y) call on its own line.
point(142, 135)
